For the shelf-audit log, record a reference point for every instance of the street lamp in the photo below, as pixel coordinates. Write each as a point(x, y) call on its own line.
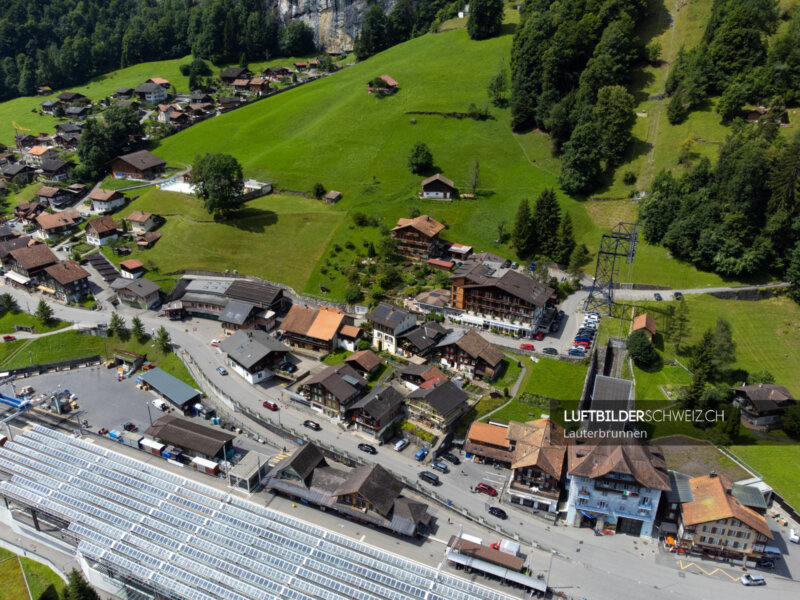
point(149, 414)
point(550, 566)
point(30, 355)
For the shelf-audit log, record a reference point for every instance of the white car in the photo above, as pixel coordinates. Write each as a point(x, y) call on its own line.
point(794, 537)
point(748, 579)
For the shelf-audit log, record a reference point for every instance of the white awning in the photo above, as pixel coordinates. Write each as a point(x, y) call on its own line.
point(465, 318)
point(14, 276)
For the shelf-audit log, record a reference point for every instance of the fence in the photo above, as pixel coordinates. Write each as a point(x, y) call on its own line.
point(64, 365)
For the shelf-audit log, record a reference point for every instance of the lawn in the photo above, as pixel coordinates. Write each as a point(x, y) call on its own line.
point(71, 344)
point(779, 464)
point(275, 237)
point(42, 581)
point(26, 194)
point(552, 378)
point(12, 581)
point(336, 358)
point(10, 318)
point(510, 371)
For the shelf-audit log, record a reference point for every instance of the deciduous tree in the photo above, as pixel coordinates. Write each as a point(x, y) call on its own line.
point(219, 183)
point(420, 160)
point(485, 18)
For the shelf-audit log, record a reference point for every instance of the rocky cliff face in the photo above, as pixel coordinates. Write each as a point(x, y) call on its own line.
point(335, 22)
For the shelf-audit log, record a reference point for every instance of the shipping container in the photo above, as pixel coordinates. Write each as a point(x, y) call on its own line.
point(151, 446)
point(207, 466)
point(131, 439)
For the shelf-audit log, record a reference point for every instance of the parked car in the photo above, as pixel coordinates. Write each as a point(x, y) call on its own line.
point(678, 296)
point(560, 315)
point(8, 338)
point(532, 266)
point(367, 448)
point(582, 343)
point(288, 367)
point(129, 426)
point(526, 346)
point(440, 466)
point(452, 458)
point(583, 338)
point(311, 425)
point(765, 563)
point(575, 352)
point(498, 512)
point(514, 265)
point(222, 370)
point(160, 405)
point(554, 326)
point(551, 351)
point(401, 444)
point(751, 579)
point(421, 454)
point(431, 478)
point(486, 489)
point(506, 264)
point(270, 405)
point(658, 297)
point(215, 343)
point(794, 537)
point(539, 336)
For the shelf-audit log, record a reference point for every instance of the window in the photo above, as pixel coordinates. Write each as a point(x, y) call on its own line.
point(735, 544)
point(703, 539)
point(602, 504)
point(581, 501)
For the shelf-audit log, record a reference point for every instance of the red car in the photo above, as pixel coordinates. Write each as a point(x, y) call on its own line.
point(270, 405)
point(526, 346)
point(539, 336)
point(8, 338)
point(583, 344)
point(486, 489)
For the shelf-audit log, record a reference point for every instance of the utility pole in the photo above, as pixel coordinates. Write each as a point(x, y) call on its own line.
point(550, 566)
point(149, 414)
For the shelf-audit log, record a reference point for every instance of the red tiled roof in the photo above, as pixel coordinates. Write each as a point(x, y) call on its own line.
point(131, 264)
point(391, 82)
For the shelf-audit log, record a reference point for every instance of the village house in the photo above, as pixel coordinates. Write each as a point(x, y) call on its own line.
point(148, 239)
point(104, 201)
point(348, 337)
point(141, 222)
point(275, 73)
point(7, 233)
point(498, 297)
point(54, 170)
point(539, 464)
point(128, 104)
point(48, 106)
point(131, 268)
point(367, 494)
point(374, 413)
point(54, 225)
point(124, 93)
point(615, 487)
point(37, 154)
point(470, 353)
point(159, 81)
point(200, 97)
point(388, 322)
point(417, 237)
point(100, 231)
point(762, 405)
point(151, 93)
point(231, 74)
point(27, 212)
point(53, 196)
point(226, 103)
point(382, 85)
point(420, 340)
point(300, 66)
point(332, 197)
point(715, 523)
point(334, 389)
point(14, 243)
point(314, 329)
point(415, 376)
point(432, 301)
point(241, 86)
point(208, 297)
point(253, 354)
point(238, 315)
point(437, 407)
point(44, 90)
point(646, 323)
point(442, 265)
point(438, 187)
point(138, 165)
point(73, 98)
point(259, 86)
point(71, 128)
point(139, 293)
point(201, 110)
point(489, 444)
point(18, 173)
point(67, 280)
point(78, 113)
point(365, 362)
point(172, 114)
point(458, 252)
point(30, 262)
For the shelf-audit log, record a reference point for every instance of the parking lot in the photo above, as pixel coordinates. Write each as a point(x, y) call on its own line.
point(102, 400)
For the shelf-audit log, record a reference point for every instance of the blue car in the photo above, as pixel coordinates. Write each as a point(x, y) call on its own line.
point(532, 266)
point(576, 353)
point(583, 338)
point(421, 454)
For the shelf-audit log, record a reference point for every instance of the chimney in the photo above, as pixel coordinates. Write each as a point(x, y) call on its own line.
point(712, 474)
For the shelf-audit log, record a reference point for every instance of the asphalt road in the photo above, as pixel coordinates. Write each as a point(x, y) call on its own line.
point(586, 566)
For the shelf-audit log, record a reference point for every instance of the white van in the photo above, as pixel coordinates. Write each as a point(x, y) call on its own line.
point(399, 446)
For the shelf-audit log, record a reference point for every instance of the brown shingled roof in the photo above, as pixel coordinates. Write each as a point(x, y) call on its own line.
point(423, 223)
point(366, 359)
point(714, 502)
point(102, 224)
point(104, 195)
point(438, 177)
point(644, 463)
point(541, 444)
point(644, 321)
point(138, 216)
point(473, 344)
point(67, 272)
point(31, 257)
point(53, 220)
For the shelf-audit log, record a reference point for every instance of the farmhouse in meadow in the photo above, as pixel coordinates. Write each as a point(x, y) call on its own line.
point(138, 165)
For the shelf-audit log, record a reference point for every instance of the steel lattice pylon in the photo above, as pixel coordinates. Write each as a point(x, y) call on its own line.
point(619, 243)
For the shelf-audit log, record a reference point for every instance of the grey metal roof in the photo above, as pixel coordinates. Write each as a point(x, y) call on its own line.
point(379, 402)
point(217, 287)
point(749, 496)
point(236, 312)
point(190, 435)
point(680, 491)
point(172, 388)
point(610, 393)
point(141, 286)
point(442, 397)
point(247, 347)
point(387, 315)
